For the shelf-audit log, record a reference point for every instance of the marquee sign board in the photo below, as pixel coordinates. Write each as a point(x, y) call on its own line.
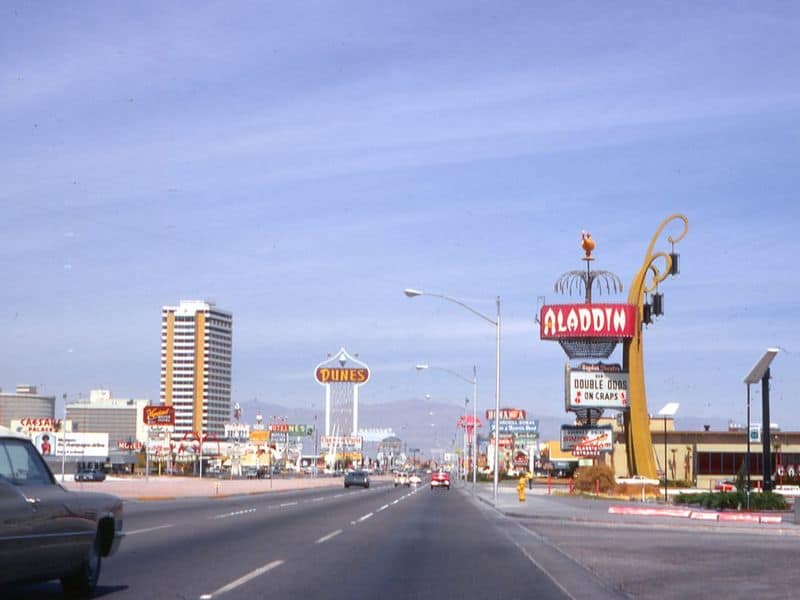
point(598, 386)
point(341, 441)
point(586, 441)
point(563, 321)
point(159, 416)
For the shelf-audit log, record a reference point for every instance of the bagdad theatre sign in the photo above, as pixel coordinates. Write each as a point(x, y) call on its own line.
point(557, 321)
point(586, 441)
point(596, 386)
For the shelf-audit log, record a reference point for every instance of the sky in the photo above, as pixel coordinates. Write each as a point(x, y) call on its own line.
point(301, 163)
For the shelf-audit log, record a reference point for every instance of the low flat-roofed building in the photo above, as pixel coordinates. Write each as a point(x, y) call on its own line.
point(121, 418)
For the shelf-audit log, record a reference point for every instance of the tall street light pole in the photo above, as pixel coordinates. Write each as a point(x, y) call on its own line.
point(411, 293)
point(474, 383)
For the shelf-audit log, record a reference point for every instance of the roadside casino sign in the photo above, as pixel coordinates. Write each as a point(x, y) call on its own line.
point(356, 375)
point(507, 414)
point(586, 440)
point(596, 385)
point(159, 416)
point(561, 321)
point(36, 425)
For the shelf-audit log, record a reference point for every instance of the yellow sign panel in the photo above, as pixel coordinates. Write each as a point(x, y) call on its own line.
point(259, 436)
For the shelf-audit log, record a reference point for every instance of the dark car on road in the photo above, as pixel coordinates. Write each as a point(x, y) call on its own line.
point(47, 532)
point(356, 478)
point(90, 475)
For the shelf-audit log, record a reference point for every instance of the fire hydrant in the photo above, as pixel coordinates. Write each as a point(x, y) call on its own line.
point(521, 488)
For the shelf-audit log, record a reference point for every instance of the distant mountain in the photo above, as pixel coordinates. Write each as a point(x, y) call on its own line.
point(419, 423)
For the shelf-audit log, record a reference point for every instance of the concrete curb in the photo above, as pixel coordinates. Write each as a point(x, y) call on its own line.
point(699, 515)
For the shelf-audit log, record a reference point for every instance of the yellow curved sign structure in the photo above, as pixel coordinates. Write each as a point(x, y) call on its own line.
point(639, 441)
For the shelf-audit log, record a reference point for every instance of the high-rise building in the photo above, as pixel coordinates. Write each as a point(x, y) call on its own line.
point(196, 366)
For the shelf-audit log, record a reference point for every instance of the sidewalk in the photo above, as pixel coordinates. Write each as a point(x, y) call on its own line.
point(540, 505)
point(170, 488)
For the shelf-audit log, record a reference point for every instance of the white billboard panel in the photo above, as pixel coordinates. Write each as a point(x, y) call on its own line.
point(587, 441)
point(83, 444)
point(596, 389)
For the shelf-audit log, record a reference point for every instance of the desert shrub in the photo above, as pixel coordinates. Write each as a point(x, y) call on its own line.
point(733, 500)
point(585, 478)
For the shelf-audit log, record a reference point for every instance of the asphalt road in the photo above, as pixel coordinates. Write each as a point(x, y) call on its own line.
point(385, 542)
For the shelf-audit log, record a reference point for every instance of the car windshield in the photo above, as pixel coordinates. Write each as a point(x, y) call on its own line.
point(467, 258)
point(21, 465)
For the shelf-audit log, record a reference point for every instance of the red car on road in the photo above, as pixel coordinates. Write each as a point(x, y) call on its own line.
point(440, 479)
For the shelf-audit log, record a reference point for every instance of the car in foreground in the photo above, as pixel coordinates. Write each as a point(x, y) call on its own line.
point(401, 479)
point(90, 475)
point(440, 479)
point(356, 478)
point(46, 531)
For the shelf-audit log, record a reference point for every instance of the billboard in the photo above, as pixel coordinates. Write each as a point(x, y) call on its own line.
point(341, 441)
point(587, 320)
point(602, 386)
point(159, 416)
point(586, 440)
point(82, 445)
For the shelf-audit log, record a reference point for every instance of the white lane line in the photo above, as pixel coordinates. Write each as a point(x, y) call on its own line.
point(146, 529)
point(384, 507)
point(365, 517)
point(288, 504)
point(243, 579)
point(325, 538)
point(235, 513)
point(320, 499)
point(396, 501)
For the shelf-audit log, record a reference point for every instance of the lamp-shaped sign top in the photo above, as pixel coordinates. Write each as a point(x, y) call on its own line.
point(760, 368)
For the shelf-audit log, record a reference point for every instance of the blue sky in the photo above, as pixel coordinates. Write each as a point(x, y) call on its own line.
point(303, 163)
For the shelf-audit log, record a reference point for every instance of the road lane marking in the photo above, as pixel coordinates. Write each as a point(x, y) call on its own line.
point(146, 529)
point(235, 513)
point(325, 538)
point(288, 504)
point(365, 517)
point(384, 507)
point(243, 579)
point(396, 501)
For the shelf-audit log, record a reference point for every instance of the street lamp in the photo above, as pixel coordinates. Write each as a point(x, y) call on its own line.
point(412, 293)
point(760, 372)
point(669, 410)
point(474, 383)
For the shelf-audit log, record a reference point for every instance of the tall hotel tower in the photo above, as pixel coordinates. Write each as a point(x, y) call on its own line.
point(196, 366)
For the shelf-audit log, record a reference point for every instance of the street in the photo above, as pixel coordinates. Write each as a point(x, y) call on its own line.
point(334, 543)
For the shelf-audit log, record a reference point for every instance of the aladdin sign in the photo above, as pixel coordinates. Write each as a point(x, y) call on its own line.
point(558, 321)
